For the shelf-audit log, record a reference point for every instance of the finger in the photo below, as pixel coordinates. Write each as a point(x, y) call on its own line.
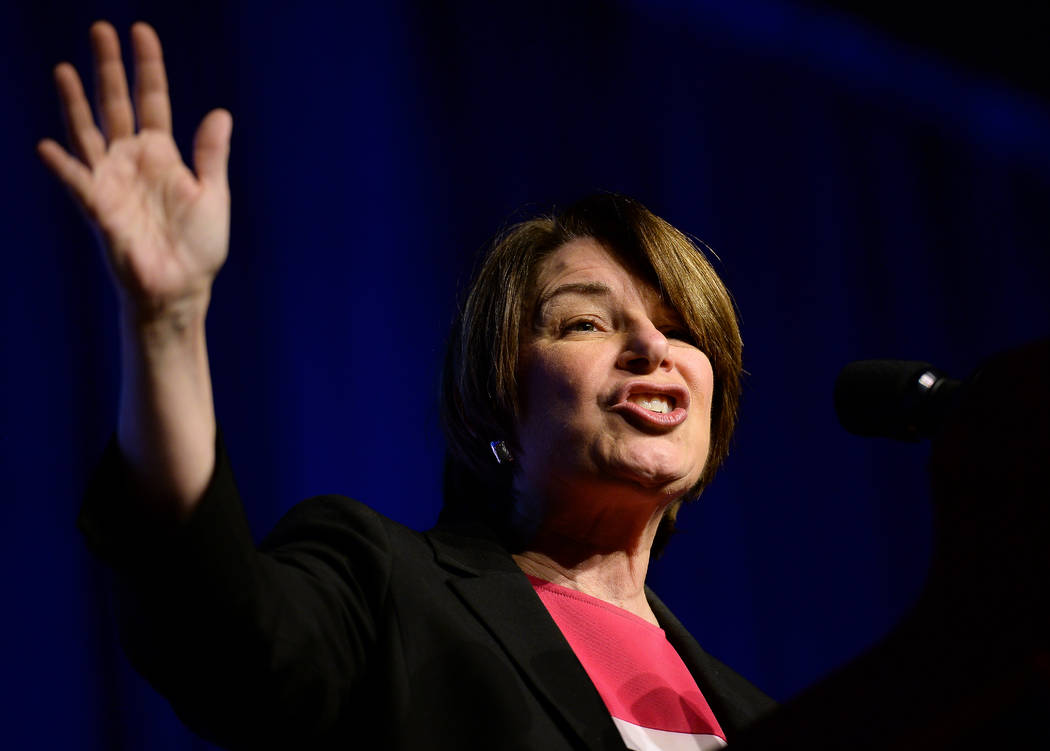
point(111, 83)
point(67, 168)
point(151, 82)
point(211, 147)
point(81, 132)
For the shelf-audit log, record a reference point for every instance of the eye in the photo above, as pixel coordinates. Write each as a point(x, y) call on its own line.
point(580, 325)
point(680, 334)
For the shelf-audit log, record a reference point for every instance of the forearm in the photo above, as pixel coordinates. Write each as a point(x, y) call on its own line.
point(166, 426)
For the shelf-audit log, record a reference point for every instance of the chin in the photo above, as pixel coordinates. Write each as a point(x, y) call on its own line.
point(669, 479)
point(652, 465)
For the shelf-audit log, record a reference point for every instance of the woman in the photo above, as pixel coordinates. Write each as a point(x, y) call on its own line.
point(595, 353)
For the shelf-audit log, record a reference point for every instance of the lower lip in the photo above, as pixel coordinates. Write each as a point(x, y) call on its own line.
point(655, 419)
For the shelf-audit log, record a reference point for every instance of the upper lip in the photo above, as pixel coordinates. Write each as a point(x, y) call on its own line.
point(680, 394)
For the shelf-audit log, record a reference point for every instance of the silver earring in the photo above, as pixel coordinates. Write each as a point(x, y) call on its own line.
point(501, 452)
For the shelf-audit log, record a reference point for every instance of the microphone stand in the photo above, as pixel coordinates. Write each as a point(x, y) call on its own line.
point(970, 664)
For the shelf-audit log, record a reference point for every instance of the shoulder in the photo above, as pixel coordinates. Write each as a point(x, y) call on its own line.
point(336, 522)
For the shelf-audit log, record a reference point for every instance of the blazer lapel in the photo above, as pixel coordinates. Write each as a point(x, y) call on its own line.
point(502, 598)
point(735, 702)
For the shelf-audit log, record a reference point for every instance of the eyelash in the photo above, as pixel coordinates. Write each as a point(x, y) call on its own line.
point(677, 334)
point(572, 325)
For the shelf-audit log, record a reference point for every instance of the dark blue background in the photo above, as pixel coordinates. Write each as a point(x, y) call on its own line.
point(865, 200)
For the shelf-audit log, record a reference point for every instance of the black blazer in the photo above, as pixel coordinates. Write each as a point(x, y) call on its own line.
point(346, 629)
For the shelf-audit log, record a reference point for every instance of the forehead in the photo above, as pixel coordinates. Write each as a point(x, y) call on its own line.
point(585, 260)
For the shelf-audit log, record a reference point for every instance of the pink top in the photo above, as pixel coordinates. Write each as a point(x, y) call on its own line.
point(637, 672)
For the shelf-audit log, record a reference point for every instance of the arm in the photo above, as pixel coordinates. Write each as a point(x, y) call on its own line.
point(165, 230)
point(251, 649)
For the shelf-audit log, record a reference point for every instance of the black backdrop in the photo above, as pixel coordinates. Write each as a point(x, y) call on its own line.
point(864, 200)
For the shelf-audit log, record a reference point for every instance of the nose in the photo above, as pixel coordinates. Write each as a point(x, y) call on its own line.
point(646, 350)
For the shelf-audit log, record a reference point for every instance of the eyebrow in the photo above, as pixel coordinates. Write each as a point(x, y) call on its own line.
point(591, 289)
point(588, 289)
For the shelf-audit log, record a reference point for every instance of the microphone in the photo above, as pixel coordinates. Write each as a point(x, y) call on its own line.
point(900, 399)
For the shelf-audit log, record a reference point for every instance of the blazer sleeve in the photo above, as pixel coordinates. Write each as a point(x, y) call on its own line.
point(253, 648)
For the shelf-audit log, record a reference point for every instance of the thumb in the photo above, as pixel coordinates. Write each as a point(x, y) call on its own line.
point(211, 146)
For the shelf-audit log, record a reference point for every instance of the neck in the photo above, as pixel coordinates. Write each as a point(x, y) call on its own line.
point(602, 550)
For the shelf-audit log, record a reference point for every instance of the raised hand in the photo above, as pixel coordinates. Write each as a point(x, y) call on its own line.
point(166, 230)
point(165, 227)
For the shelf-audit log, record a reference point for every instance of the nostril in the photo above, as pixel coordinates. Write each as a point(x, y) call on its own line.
point(640, 363)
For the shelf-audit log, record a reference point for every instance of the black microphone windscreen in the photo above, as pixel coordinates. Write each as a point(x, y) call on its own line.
point(899, 399)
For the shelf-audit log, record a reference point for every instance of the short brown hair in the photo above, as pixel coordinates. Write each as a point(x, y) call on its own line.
point(479, 400)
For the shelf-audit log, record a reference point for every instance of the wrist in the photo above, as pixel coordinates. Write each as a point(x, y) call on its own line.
point(168, 323)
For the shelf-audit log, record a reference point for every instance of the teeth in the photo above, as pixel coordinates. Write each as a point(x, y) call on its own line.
point(651, 402)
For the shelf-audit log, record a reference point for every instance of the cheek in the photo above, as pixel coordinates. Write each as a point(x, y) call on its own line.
point(543, 391)
point(560, 415)
point(551, 381)
point(700, 379)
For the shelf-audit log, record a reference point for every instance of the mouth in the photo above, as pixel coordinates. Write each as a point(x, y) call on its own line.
point(658, 403)
point(653, 406)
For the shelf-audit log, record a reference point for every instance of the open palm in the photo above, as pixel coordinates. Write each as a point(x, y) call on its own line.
point(165, 227)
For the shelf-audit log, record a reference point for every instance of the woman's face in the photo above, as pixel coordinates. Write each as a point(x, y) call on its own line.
point(613, 394)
